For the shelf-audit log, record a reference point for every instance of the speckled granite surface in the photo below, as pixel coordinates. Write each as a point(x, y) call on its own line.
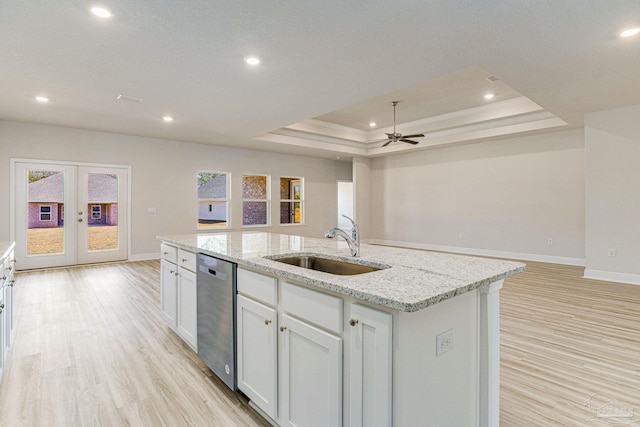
point(414, 280)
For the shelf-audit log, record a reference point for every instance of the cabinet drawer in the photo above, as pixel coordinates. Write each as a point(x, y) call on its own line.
point(316, 307)
point(187, 260)
point(258, 286)
point(169, 253)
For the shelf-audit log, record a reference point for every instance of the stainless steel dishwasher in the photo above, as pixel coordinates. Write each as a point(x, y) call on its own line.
point(217, 317)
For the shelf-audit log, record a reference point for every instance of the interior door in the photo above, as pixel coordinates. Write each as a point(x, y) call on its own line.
point(67, 214)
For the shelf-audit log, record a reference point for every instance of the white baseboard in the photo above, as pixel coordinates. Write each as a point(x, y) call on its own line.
point(483, 252)
point(144, 257)
point(610, 276)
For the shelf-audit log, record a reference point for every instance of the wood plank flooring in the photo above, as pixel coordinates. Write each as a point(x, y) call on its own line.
point(90, 348)
point(570, 349)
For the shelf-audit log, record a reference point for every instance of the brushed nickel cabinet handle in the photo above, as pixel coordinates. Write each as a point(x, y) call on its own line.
point(184, 260)
point(267, 321)
point(165, 253)
point(283, 328)
point(353, 322)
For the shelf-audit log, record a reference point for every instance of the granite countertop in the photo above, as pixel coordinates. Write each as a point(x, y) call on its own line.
point(414, 280)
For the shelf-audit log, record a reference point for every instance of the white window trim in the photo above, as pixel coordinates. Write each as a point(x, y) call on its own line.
point(99, 212)
point(267, 201)
point(301, 201)
point(227, 200)
point(40, 213)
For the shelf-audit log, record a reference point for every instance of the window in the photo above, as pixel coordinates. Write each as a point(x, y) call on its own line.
point(291, 201)
point(45, 213)
point(96, 212)
point(255, 200)
point(213, 199)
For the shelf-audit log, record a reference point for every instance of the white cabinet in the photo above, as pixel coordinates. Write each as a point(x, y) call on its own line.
point(7, 280)
point(290, 350)
point(370, 367)
point(169, 292)
point(311, 373)
point(178, 292)
point(258, 354)
point(187, 322)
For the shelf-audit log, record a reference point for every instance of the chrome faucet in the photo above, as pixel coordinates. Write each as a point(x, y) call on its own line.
point(353, 241)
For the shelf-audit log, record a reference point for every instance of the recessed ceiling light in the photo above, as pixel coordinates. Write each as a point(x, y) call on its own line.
point(101, 12)
point(489, 96)
point(42, 99)
point(630, 32)
point(252, 60)
point(373, 124)
point(167, 118)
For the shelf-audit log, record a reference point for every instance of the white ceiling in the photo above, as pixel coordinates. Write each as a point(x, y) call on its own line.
point(328, 68)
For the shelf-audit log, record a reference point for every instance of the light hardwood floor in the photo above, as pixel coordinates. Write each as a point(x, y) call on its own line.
point(91, 348)
point(569, 346)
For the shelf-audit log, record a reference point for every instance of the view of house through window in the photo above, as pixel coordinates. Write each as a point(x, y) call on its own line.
point(213, 199)
point(291, 200)
point(102, 211)
point(45, 231)
point(255, 200)
point(45, 224)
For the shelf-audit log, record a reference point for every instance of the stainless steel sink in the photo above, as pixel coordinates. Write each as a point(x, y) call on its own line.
point(327, 265)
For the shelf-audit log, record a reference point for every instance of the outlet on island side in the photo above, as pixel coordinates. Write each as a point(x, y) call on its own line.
point(611, 252)
point(444, 342)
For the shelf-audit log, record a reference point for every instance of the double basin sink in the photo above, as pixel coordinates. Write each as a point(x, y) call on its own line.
point(327, 265)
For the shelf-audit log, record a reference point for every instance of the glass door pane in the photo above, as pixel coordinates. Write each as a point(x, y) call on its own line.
point(102, 211)
point(45, 212)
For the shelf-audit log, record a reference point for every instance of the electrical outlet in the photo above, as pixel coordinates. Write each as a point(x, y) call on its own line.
point(550, 241)
point(444, 342)
point(611, 252)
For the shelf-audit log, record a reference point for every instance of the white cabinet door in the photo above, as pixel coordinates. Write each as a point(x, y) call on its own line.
point(370, 367)
point(169, 292)
point(187, 307)
point(311, 375)
point(257, 354)
point(3, 316)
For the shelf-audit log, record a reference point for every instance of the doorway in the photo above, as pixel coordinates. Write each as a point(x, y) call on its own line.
point(68, 214)
point(345, 205)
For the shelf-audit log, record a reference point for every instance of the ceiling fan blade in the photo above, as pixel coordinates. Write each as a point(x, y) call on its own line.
point(415, 135)
point(409, 141)
point(387, 143)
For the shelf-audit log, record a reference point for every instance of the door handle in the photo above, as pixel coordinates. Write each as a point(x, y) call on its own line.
point(80, 213)
point(79, 219)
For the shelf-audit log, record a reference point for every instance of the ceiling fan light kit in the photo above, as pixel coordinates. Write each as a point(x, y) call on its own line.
point(396, 136)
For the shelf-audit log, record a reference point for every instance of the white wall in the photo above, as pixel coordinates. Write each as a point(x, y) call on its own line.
point(504, 197)
point(612, 152)
point(164, 177)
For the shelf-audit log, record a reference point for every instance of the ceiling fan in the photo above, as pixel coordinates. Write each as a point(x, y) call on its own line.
point(396, 136)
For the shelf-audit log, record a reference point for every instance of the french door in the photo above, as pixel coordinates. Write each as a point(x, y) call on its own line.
point(68, 214)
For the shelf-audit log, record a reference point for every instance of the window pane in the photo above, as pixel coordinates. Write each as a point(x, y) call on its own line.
point(102, 225)
point(254, 187)
point(290, 212)
point(212, 214)
point(212, 185)
point(45, 226)
point(254, 213)
point(290, 189)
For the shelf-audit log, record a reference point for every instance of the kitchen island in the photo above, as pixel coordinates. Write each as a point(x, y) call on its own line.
point(440, 365)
